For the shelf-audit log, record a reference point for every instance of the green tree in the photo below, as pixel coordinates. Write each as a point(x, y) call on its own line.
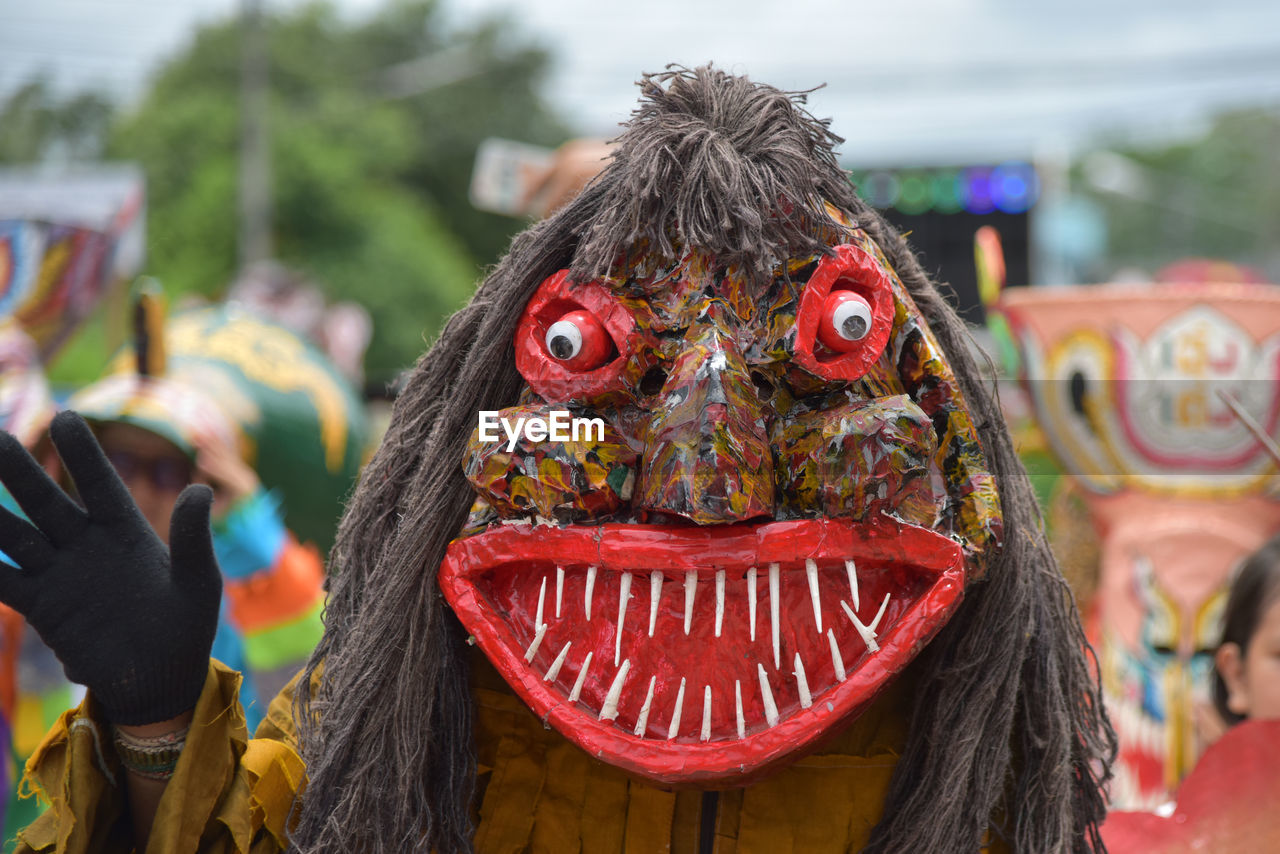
point(370, 159)
point(1215, 196)
point(36, 124)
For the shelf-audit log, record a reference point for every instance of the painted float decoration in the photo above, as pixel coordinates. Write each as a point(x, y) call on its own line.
point(65, 240)
point(51, 277)
point(1136, 389)
point(1219, 803)
point(295, 419)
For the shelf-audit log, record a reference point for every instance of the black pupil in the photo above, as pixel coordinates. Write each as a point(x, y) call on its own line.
point(854, 326)
point(561, 346)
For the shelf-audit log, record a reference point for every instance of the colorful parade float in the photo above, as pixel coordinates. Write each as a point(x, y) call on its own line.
point(1159, 402)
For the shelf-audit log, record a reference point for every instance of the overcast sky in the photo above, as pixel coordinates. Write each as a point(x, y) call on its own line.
point(930, 81)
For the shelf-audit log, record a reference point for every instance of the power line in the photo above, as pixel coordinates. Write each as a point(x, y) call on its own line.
point(51, 5)
point(82, 56)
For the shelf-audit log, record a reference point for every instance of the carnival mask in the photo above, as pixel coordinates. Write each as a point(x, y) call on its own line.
point(772, 504)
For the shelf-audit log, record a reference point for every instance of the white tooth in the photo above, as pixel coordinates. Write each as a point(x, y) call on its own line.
point(773, 613)
point(719, 600)
point(690, 588)
point(706, 715)
point(554, 670)
point(853, 582)
point(624, 595)
point(737, 698)
point(674, 729)
point(868, 636)
point(582, 677)
point(875, 624)
point(542, 594)
point(751, 600)
point(802, 684)
point(655, 596)
point(559, 588)
point(836, 661)
point(770, 710)
point(811, 570)
point(537, 642)
point(643, 721)
point(610, 710)
point(591, 584)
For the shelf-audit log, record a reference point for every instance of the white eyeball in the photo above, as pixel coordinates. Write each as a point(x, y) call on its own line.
point(852, 319)
point(564, 340)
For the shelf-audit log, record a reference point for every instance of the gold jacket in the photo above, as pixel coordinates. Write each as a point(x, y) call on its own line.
point(536, 791)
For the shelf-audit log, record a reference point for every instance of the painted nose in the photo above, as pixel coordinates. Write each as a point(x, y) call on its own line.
point(708, 457)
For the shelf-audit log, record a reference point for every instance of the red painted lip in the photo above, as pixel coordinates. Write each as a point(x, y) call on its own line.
point(496, 580)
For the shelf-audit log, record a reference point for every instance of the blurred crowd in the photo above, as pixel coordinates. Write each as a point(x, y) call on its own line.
point(255, 397)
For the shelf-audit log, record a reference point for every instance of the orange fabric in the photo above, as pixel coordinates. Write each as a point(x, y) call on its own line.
point(10, 642)
point(284, 592)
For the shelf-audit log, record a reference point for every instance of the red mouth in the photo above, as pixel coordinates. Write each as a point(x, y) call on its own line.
point(701, 692)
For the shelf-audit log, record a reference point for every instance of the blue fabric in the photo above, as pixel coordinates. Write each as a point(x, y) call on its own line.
point(7, 502)
point(248, 541)
point(251, 537)
point(228, 647)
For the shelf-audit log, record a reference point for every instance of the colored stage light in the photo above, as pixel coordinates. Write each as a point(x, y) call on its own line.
point(1011, 187)
point(1014, 186)
point(977, 190)
point(882, 189)
point(914, 196)
point(944, 188)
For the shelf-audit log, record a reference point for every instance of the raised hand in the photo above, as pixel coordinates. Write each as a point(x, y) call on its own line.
point(127, 617)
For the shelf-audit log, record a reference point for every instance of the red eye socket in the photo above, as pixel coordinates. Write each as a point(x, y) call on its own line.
point(846, 315)
point(579, 341)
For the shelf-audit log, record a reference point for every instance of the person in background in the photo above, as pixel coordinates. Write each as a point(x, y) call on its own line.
point(572, 167)
point(341, 330)
point(1246, 682)
point(1220, 805)
point(161, 436)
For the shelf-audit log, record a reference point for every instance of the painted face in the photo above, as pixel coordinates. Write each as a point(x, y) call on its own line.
point(778, 505)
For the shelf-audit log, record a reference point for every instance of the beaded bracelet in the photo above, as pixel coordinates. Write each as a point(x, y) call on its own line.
point(152, 757)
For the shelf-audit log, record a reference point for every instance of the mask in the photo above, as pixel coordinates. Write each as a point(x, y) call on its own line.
point(727, 511)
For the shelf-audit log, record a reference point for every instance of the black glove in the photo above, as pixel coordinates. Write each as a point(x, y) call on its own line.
point(98, 585)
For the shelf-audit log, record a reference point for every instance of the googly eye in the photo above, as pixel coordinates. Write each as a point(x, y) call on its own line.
point(578, 341)
point(845, 316)
point(846, 320)
point(564, 340)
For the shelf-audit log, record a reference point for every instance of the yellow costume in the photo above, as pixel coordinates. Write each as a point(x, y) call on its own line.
point(537, 792)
